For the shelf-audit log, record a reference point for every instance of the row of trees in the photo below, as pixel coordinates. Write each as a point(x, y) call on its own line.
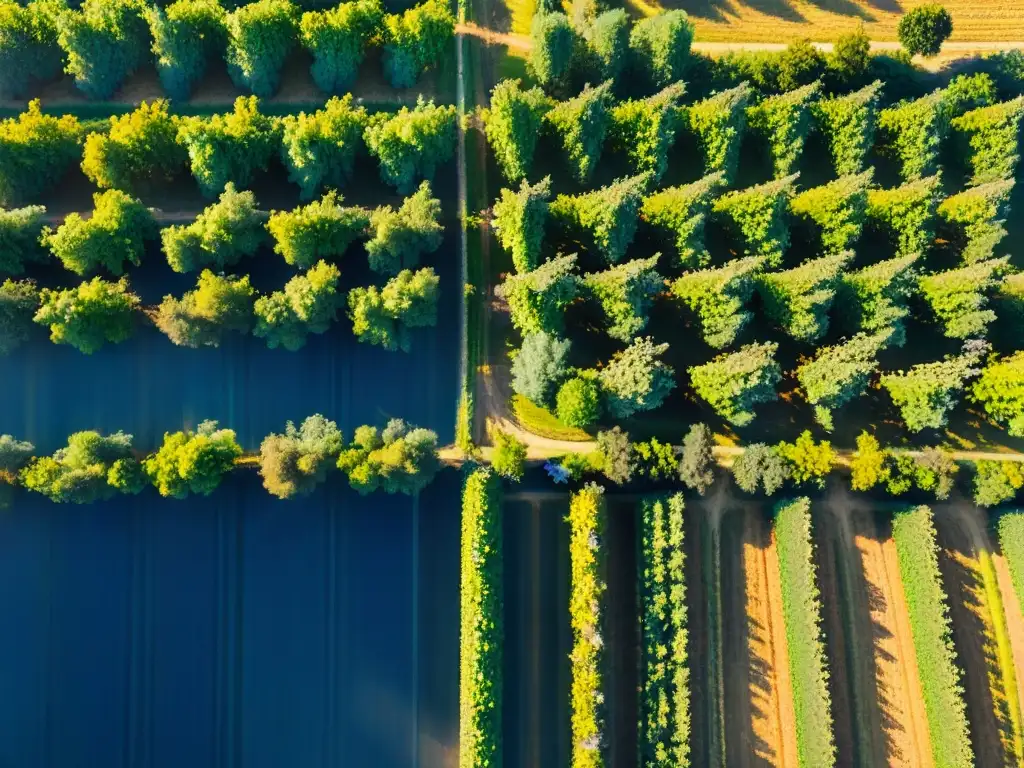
point(105, 41)
point(150, 144)
point(94, 467)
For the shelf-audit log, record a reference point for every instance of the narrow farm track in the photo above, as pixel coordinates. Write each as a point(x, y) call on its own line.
point(697, 621)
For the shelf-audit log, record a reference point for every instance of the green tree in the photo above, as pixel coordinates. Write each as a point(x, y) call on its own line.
point(1000, 391)
point(996, 482)
point(20, 231)
point(14, 454)
point(200, 318)
point(757, 216)
point(607, 39)
point(384, 317)
point(90, 315)
point(718, 298)
point(626, 293)
point(92, 467)
point(261, 35)
point(661, 46)
point(874, 298)
point(798, 299)
point(319, 149)
point(578, 402)
point(636, 379)
point(36, 150)
point(967, 92)
point(193, 462)
point(229, 147)
point(734, 382)
point(616, 455)
point(581, 124)
point(906, 214)
point(923, 30)
point(308, 304)
point(338, 38)
point(913, 132)
point(976, 217)
point(105, 41)
point(1010, 295)
point(869, 466)
point(848, 125)
point(401, 237)
point(719, 123)
point(760, 466)
point(117, 231)
point(809, 462)
point(926, 393)
point(540, 364)
point(187, 34)
point(416, 40)
point(800, 65)
point(19, 302)
point(410, 144)
point(697, 465)
point(294, 463)
point(993, 134)
point(959, 297)
point(513, 124)
point(837, 209)
point(839, 374)
point(609, 214)
point(509, 456)
point(28, 45)
point(537, 299)
point(645, 129)
point(682, 211)
point(519, 222)
point(141, 145)
point(552, 45)
point(402, 459)
point(224, 233)
point(851, 57)
point(784, 122)
point(323, 229)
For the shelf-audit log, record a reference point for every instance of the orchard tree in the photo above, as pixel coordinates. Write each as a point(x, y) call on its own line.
point(324, 229)
point(384, 317)
point(36, 150)
point(718, 297)
point(682, 211)
point(28, 45)
point(906, 214)
point(848, 125)
point(923, 30)
point(719, 123)
point(192, 462)
point(636, 379)
point(224, 233)
point(410, 144)
point(261, 35)
point(734, 382)
point(607, 42)
point(976, 217)
point(519, 222)
point(967, 92)
point(552, 46)
point(581, 124)
point(626, 293)
point(645, 129)
point(90, 315)
point(1000, 391)
point(874, 298)
point(513, 124)
point(959, 297)
point(187, 35)
point(105, 42)
point(338, 38)
point(757, 216)
point(116, 232)
point(19, 302)
point(661, 46)
point(20, 231)
point(92, 467)
point(539, 366)
point(537, 299)
point(140, 146)
point(416, 40)
point(798, 299)
point(837, 209)
point(993, 134)
point(697, 465)
point(760, 466)
point(609, 214)
point(851, 57)
point(926, 393)
point(308, 304)
point(320, 148)
point(913, 132)
point(578, 402)
point(784, 122)
point(229, 147)
point(401, 237)
point(200, 318)
point(839, 374)
point(809, 462)
point(296, 462)
point(996, 482)
point(401, 459)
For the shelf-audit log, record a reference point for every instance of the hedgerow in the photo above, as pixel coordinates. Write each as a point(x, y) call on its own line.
point(927, 605)
point(1011, 543)
point(801, 610)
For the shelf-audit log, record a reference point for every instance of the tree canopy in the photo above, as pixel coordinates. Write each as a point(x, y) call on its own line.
point(18, 304)
point(338, 38)
point(1000, 391)
point(261, 35)
point(519, 222)
point(959, 297)
point(308, 304)
point(757, 215)
point(625, 293)
point(874, 298)
point(682, 211)
point(637, 379)
point(839, 373)
point(848, 124)
point(295, 462)
point(784, 122)
point(36, 150)
point(537, 299)
point(192, 462)
point(837, 209)
point(223, 234)
point(201, 317)
point(798, 299)
point(415, 40)
point(323, 229)
point(141, 145)
point(90, 315)
point(320, 148)
point(105, 41)
point(539, 366)
point(401, 459)
point(401, 237)
point(385, 316)
point(187, 34)
point(661, 45)
point(718, 297)
point(513, 124)
point(926, 393)
point(734, 382)
point(906, 214)
point(410, 144)
point(90, 468)
point(645, 129)
point(609, 214)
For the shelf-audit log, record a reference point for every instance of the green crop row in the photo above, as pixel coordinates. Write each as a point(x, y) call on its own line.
point(913, 531)
point(801, 610)
point(664, 729)
point(587, 513)
point(1011, 542)
point(481, 640)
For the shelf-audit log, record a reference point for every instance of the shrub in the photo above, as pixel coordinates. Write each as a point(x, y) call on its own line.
point(906, 214)
point(223, 234)
point(645, 129)
point(869, 466)
point(848, 124)
point(959, 297)
point(90, 315)
point(661, 45)
point(616, 455)
point(187, 34)
point(873, 299)
point(802, 612)
point(734, 382)
point(914, 132)
point(92, 467)
point(261, 35)
point(697, 466)
point(509, 456)
point(19, 302)
point(607, 39)
point(809, 462)
point(851, 57)
point(519, 222)
point(139, 146)
point(626, 293)
point(655, 460)
point(117, 231)
point(320, 148)
point(578, 403)
point(1000, 391)
point(410, 144)
point(682, 211)
point(36, 150)
point(784, 121)
point(996, 482)
point(926, 393)
point(609, 214)
point(917, 552)
point(513, 125)
point(201, 317)
point(760, 466)
point(28, 46)
point(14, 454)
point(581, 124)
point(552, 43)
point(401, 237)
point(416, 41)
point(838, 209)
point(798, 299)
point(537, 299)
point(20, 231)
point(193, 462)
point(757, 216)
point(401, 459)
point(719, 123)
point(294, 463)
point(977, 216)
point(321, 230)
point(337, 38)
point(839, 374)
point(800, 65)
point(993, 134)
point(481, 637)
point(105, 42)
point(924, 29)
point(636, 379)
point(541, 363)
point(308, 304)
point(384, 317)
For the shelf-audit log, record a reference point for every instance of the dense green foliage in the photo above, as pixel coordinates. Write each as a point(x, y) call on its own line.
point(187, 34)
point(837, 209)
point(508, 458)
point(201, 317)
point(581, 124)
point(802, 614)
point(1000, 391)
point(384, 317)
point(261, 35)
point(552, 44)
point(513, 126)
point(784, 122)
point(92, 467)
point(20, 230)
point(609, 215)
point(19, 302)
point(926, 393)
point(139, 146)
point(809, 462)
point(401, 237)
point(35, 152)
point(719, 123)
point(294, 463)
point(645, 129)
point(661, 46)
point(537, 299)
point(734, 382)
point(993, 133)
point(416, 40)
point(636, 379)
point(324, 229)
point(959, 297)
point(90, 315)
point(540, 364)
point(697, 465)
point(682, 212)
point(308, 304)
point(578, 402)
point(1011, 543)
point(760, 466)
point(798, 299)
point(838, 374)
point(996, 482)
point(338, 38)
point(923, 30)
point(607, 43)
point(223, 234)
point(906, 214)
point(192, 462)
point(718, 297)
point(105, 41)
point(28, 45)
point(519, 222)
point(913, 131)
point(848, 124)
point(319, 149)
point(626, 292)
point(411, 143)
point(932, 470)
point(400, 459)
point(977, 215)
point(116, 232)
point(757, 217)
point(874, 298)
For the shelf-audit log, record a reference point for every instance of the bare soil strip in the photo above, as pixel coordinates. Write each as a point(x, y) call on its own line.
point(698, 651)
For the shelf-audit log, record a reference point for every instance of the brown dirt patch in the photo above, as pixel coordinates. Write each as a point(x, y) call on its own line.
point(702, 679)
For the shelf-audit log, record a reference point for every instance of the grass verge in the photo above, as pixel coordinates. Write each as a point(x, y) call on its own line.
point(543, 423)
